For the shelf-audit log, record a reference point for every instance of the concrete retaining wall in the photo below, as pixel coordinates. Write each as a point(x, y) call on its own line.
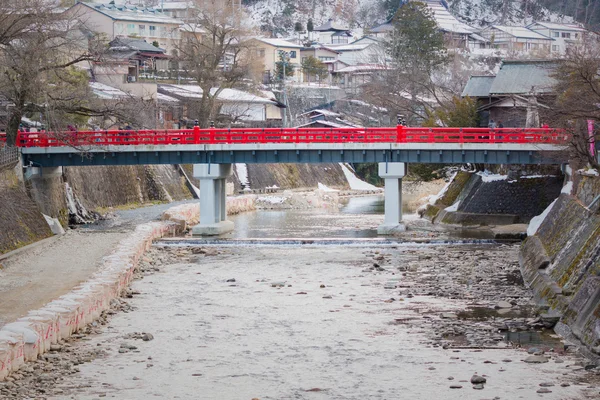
point(561, 263)
point(21, 222)
point(25, 339)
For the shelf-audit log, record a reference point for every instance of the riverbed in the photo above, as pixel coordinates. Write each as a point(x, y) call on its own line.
point(335, 314)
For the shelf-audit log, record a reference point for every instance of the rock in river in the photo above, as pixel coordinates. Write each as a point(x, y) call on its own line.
point(536, 359)
point(478, 379)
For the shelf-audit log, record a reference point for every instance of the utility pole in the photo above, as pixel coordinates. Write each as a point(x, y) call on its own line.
point(284, 94)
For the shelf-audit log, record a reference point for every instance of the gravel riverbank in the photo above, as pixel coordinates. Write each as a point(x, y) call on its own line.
point(314, 322)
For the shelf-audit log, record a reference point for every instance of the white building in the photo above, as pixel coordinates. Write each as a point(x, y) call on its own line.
point(130, 21)
point(564, 35)
point(366, 50)
point(331, 33)
point(518, 39)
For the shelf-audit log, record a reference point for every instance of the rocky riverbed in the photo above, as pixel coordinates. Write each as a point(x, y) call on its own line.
point(350, 321)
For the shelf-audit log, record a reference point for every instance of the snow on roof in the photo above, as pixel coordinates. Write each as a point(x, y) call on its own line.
point(226, 95)
point(385, 27)
point(330, 26)
point(557, 26)
point(279, 43)
point(120, 44)
point(362, 68)
point(520, 32)
point(446, 21)
point(176, 5)
point(349, 47)
point(107, 92)
point(133, 13)
point(328, 123)
point(167, 99)
point(326, 113)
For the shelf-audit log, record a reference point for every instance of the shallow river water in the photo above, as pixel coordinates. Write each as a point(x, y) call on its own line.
point(358, 320)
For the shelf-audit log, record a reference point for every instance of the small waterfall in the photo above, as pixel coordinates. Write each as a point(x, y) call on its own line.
point(78, 214)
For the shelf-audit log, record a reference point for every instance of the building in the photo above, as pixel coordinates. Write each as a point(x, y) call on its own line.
point(366, 50)
point(122, 21)
point(331, 33)
point(268, 51)
point(456, 33)
point(507, 96)
point(517, 39)
point(144, 59)
point(235, 106)
point(564, 35)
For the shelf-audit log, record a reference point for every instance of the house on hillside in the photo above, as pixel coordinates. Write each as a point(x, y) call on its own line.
point(564, 35)
point(366, 50)
point(456, 33)
point(509, 95)
point(236, 107)
point(144, 59)
point(332, 33)
point(517, 39)
point(124, 21)
point(268, 51)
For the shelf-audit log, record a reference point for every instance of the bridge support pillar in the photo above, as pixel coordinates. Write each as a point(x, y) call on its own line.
point(392, 173)
point(213, 199)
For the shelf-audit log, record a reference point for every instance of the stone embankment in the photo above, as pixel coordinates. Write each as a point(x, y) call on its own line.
point(560, 261)
point(41, 330)
point(480, 199)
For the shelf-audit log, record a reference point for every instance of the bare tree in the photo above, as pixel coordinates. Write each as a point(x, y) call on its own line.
point(578, 96)
point(215, 51)
point(39, 52)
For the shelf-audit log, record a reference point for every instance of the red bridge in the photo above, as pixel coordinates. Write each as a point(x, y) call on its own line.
point(295, 145)
point(197, 136)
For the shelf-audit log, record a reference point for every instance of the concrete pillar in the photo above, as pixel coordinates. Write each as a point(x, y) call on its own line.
point(392, 173)
point(213, 199)
point(43, 172)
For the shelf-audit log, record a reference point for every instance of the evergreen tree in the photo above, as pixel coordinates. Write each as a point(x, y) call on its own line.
point(298, 27)
point(284, 60)
point(309, 26)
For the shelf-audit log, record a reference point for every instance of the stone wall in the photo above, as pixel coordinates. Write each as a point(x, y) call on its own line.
point(499, 202)
point(561, 263)
point(21, 222)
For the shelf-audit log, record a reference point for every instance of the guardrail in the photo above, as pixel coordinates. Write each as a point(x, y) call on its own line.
point(399, 134)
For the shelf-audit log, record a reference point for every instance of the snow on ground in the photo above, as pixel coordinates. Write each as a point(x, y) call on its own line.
point(588, 172)
point(354, 182)
point(433, 199)
point(568, 188)
point(487, 176)
point(535, 222)
point(271, 199)
point(538, 176)
point(325, 188)
point(242, 174)
point(453, 207)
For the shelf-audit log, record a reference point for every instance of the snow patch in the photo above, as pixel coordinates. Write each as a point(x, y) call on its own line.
point(434, 198)
point(487, 176)
point(354, 182)
point(271, 199)
point(568, 188)
point(453, 207)
point(242, 173)
point(588, 172)
point(325, 188)
point(535, 222)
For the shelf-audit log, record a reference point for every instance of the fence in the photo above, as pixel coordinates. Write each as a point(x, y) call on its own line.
point(9, 157)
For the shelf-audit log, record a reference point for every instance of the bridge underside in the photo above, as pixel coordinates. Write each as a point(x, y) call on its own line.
point(54, 157)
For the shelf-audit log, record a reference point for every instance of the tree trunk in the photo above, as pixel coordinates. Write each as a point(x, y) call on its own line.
point(13, 125)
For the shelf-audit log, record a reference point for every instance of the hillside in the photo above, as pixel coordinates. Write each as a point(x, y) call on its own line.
point(279, 16)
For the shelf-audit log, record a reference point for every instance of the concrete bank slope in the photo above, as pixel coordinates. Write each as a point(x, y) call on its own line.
point(490, 199)
point(560, 261)
point(32, 335)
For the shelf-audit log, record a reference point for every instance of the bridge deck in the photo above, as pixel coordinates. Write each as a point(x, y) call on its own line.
point(312, 145)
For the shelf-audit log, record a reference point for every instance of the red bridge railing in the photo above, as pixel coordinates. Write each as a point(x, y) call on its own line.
point(399, 134)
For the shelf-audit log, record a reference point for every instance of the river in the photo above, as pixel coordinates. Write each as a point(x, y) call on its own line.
point(354, 318)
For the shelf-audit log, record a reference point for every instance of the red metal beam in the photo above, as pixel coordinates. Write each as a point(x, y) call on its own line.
point(399, 134)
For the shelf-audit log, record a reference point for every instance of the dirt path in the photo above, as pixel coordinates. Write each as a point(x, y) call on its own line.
point(32, 278)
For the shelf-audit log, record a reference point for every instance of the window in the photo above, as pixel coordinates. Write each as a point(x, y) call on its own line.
point(130, 29)
point(322, 58)
point(339, 39)
point(152, 30)
point(554, 47)
point(293, 54)
point(142, 30)
point(566, 35)
point(576, 35)
point(163, 31)
point(556, 34)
